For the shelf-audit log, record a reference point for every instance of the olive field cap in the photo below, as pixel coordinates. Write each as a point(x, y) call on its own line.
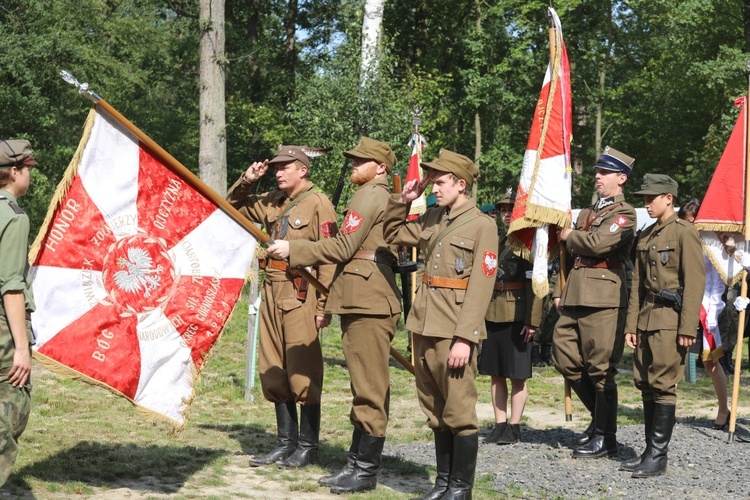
point(15, 152)
point(509, 198)
point(655, 184)
point(615, 161)
point(299, 153)
point(454, 163)
point(370, 149)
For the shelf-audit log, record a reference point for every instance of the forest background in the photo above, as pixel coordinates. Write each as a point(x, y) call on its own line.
point(654, 78)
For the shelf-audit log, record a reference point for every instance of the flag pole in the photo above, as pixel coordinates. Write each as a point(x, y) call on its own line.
point(563, 264)
point(743, 274)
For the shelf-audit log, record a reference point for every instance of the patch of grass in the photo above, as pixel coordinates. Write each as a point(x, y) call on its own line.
point(82, 440)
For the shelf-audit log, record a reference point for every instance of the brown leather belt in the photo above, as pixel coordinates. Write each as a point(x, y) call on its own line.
point(439, 282)
point(279, 265)
point(374, 256)
point(598, 263)
point(502, 286)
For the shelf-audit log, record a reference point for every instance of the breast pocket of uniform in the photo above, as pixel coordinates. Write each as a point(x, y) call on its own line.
point(462, 254)
point(298, 222)
point(424, 239)
point(665, 254)
point(356, 279)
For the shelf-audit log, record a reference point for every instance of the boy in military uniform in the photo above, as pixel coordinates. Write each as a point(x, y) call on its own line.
point(588, 337)
point(364, 293)
point(290, 360)
point(663, 313)
point(459, 245)
point(17, 305)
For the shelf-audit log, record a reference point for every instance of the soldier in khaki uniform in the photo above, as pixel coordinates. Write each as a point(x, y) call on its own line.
point(290, 360)
point(364, 293)
point(588, 337)
point(459, 246)
point(17, 303)
point(669, 263)
point(513, 316)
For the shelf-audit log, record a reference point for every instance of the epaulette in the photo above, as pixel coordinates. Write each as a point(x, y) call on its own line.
point(13, 205)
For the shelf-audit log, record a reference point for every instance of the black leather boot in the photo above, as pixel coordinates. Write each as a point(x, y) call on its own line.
point(654, 461)
point(604, 441)
point(307, 444)
point(463, 467)
point(351, 458)
point(648, 420)
point(511, 435)
point(443, 460)
point(366, 467)
point(286, 430)
point(586, 392)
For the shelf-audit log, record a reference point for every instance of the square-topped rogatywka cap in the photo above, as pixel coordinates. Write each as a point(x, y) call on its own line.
point(616, 161)
point(454, 163)
point(655, 184)
point(370, 149)
point(15, 152)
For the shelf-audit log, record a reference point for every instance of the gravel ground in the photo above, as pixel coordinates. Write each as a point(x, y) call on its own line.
point(702, 464)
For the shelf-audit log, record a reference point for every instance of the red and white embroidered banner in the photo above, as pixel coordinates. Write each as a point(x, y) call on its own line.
point(721, 217)
point(418, 206)
point(134, 273)
point(544, 190)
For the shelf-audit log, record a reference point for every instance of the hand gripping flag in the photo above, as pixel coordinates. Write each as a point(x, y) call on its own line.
point(543, 196)
point(135, 273)
point(721, 222)
point(418, 206)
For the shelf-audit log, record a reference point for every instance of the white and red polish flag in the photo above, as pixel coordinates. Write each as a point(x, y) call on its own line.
point(721, 222)
point(544, 190)
point(419, 205)
point(134, 273)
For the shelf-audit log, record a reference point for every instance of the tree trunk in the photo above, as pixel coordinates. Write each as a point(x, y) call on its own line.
point(477, 150)
point(212, 158)
point(290, 52)
point(372, 23)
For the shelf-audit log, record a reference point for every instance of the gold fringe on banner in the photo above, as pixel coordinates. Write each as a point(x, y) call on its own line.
point(63, 186)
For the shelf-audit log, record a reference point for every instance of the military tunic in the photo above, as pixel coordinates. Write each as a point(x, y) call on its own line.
point(513, 305)
point(669, 255)
point(441, 313)
point(14, 277)
point(589, 334)
point(364, 293)
point(290, 359)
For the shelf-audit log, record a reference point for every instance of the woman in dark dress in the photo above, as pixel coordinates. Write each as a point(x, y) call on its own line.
point(512, 318)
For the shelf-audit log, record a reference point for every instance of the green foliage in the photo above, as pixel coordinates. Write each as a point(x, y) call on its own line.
point(663, 74)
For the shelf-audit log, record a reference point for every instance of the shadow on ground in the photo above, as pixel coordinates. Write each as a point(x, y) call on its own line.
point(110, 465)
